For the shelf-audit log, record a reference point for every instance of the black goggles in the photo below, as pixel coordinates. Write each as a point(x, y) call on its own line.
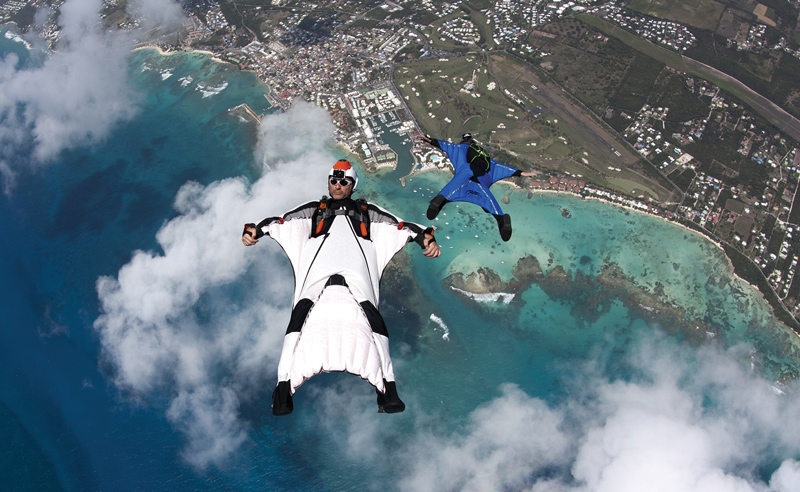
point(343, 182)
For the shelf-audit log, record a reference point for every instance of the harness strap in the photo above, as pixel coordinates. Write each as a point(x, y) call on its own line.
point(324, 212)
point(479, 152)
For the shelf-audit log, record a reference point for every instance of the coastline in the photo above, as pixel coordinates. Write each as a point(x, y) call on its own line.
point(754, 286)
point(632, 209)
point(162, 52)
point(424, 166)
point(415, 171)
point(590, 294)
point(656, 216)
point(213, 57)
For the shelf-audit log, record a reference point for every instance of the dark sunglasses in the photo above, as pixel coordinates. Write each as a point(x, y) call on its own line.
point(343, 182)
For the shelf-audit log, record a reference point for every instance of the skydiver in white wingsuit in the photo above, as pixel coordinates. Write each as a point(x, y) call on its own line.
point(338, 248)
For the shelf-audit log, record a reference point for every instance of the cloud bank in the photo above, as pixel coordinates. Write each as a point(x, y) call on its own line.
point(685, 419)
point(691, 420)
point(79, 92)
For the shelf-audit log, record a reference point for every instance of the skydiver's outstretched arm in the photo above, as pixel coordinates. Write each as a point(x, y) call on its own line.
point(431, 246)
point(252, 232)
point(249, 235)
point(425, 240)
point(430, 141)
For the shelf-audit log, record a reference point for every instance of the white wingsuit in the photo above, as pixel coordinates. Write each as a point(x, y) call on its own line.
point(338, 250)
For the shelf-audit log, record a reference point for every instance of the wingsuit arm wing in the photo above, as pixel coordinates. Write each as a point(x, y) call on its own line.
point(390, 233)
point(291, 230)
point(457, 153)
point(500, 171)
point(262, 228)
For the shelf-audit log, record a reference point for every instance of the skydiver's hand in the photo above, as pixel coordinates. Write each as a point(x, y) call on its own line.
point(528, 174)
point(432, 249)
point(249, 239)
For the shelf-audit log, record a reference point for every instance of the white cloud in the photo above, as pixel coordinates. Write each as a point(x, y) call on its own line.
point(786, 478)
point(204, 319)
point(282, 136)
point(208, 416)
point(79, 92)
point(509, 440)
point(689, 420)
point(165, 15)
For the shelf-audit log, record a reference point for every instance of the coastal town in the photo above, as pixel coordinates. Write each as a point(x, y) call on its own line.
point(348, 58)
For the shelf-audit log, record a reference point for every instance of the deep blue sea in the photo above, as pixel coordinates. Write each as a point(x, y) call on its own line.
point(140, 338)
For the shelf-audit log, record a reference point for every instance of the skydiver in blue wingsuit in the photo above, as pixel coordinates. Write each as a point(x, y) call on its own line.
point(475, 172)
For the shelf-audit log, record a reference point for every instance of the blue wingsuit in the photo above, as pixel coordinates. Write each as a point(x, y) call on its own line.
point(475, 172)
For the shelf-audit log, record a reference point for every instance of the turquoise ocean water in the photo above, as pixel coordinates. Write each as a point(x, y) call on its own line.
point(500, 397)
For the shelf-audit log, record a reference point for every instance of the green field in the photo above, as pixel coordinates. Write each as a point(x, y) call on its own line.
point(578, 50)
point(661, 54)
point(698, 13)
point(434, 92)
point(633, 188)
point(557, 149)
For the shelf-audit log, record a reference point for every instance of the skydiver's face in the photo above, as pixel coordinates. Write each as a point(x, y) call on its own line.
point(337, 191)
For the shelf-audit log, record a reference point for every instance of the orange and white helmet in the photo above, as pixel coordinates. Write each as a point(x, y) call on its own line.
point(344, 169)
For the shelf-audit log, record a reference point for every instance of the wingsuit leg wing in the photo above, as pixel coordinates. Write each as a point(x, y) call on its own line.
point(436, 205)
point(313, 335)
point(388, 400)
point(282, 396)
point(477, 193)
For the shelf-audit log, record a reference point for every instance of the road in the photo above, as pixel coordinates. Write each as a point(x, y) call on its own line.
point(609, 147)
point(773, 113)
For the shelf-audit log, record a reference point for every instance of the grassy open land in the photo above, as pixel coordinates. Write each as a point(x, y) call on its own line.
point(633, 188)
point(565, 137)
point(435, 91)
point(577, 50)
point(672, 90)
point(438, 41)
point(639, 44)
point(483, 26)
point(773, 77)
point(698, 13)
point(592, 145)
point(637, 86)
